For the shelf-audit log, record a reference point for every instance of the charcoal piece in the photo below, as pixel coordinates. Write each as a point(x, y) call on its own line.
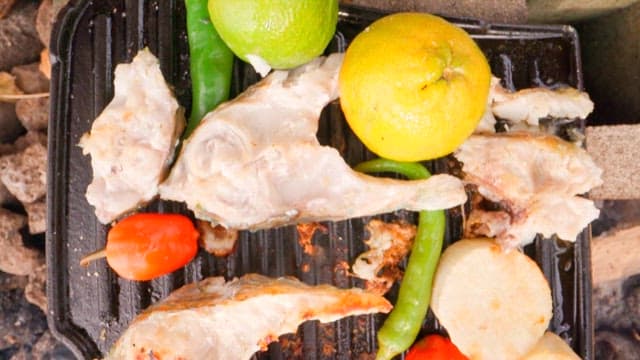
point(10, 126)
point(5, 196)
point(20, 322)
point(615, 346)
point(15, 258)
point(46, 348)
point(10, 282)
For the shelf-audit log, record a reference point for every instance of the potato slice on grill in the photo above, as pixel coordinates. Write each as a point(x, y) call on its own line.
point(551, 347)
point(494, 304)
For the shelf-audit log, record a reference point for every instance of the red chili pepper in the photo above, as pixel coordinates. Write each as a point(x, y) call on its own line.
point(145, 246)
point(435, 347)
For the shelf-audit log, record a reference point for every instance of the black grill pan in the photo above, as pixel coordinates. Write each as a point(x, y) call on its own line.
point(90, 307)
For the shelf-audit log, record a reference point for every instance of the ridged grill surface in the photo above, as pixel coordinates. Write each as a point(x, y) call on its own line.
point(91, 306)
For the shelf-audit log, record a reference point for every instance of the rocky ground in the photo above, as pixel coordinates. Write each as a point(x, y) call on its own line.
point(25, 28)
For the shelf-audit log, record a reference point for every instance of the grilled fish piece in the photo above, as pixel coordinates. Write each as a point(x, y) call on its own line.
point(133, 140)
point(524, 108)
point(255, 162)
point(530, 105)
point(536, 178)
point(388, 244)
point(217, 320)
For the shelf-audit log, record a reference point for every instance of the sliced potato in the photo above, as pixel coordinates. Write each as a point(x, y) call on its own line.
point(494, 304)
point(551, 347)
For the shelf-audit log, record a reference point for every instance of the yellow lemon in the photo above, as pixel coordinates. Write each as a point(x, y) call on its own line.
point(413, 86)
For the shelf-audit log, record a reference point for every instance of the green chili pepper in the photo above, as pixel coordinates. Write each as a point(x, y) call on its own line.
point(211, 63)
point(402, 326)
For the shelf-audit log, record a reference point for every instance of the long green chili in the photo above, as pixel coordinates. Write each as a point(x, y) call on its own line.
point(402, 326)
point(211, 63)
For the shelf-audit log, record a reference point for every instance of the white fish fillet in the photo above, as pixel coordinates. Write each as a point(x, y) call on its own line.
point(228, 321)
point(537, 177)
point(132, 141)
point(255, 161)
point(526, 107)
point(531, 105)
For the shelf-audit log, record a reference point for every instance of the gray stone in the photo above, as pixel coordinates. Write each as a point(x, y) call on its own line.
point(25, 173)
point(21, 323)
point(23, 142)
point(44, 21)
point(33, 113)
point(19, 42)
point(37, 216)
point(30, 79)
point(47, 13)
point(36, 289)
point(28, 139)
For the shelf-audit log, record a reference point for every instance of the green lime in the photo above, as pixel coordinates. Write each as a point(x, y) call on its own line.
point(279, 34)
